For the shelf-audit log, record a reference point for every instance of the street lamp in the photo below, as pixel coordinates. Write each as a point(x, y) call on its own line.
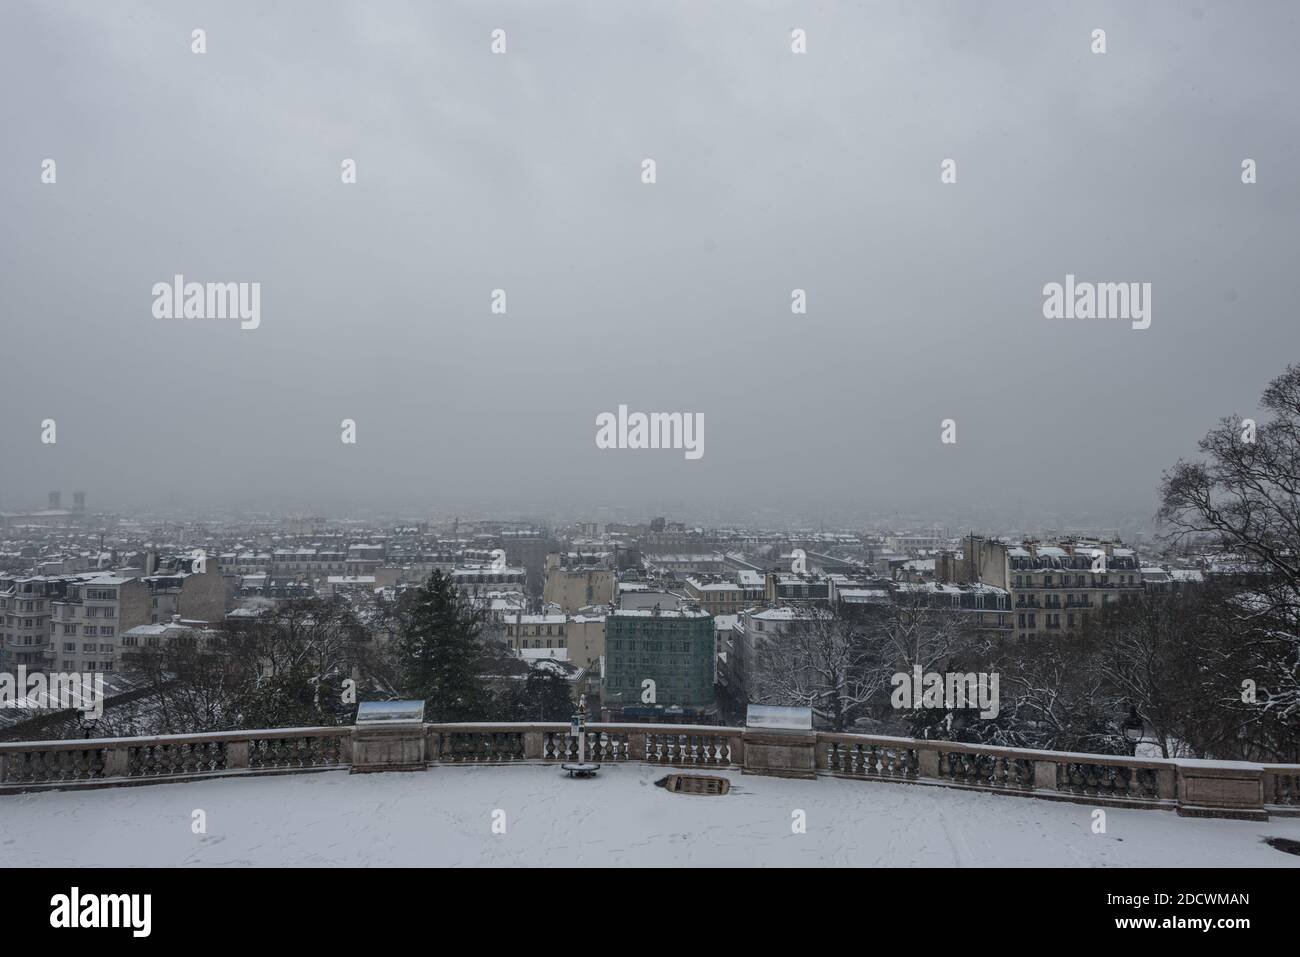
point(1134, 730)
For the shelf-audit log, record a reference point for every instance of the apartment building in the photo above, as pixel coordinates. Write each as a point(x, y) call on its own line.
point(726, 594)
point(916, 542)
point(798, 587)
point(586, 636)
point(536, 631)
point(1053, 586)
point(479, 581)
point(983, 608)
point(25, 607)
point(677, 650)
point(684, 563)
point(287, 563)
point(88, 614)
point(244, 563)
point(172, 634)
point(756, 626)
point(576, 581)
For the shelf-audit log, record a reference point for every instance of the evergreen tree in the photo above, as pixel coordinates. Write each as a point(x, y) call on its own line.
point(547, 697)
point(439, 652)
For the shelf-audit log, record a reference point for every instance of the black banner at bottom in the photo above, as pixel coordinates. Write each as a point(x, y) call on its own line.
point(330, 906)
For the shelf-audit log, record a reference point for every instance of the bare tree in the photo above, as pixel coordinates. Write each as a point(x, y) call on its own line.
point(818, 661)
point(284, 668)
point(1246, 499)
point(841, 665)
point(1147, 657)
point(1055, 697)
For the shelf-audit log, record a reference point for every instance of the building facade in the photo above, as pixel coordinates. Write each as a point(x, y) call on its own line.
point(677, 650)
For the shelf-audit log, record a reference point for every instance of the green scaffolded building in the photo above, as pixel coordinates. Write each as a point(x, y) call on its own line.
point(677, 650)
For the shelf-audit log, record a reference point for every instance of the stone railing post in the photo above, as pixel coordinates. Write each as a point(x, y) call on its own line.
point(636, 746)
point(1044, 775)
point(1167, 784)
point(927, 762)
point(534, 745)
point(116, 762)
point(786, 754)
point(236, 754)
point(1231, 790)
point(823, 757)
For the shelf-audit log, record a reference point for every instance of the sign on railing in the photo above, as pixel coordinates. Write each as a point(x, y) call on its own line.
point(776, 718)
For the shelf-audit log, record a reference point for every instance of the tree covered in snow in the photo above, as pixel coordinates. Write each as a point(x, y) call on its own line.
point(816, 660)
point(1053, 696)
point(287, 667)
point(1151, 654)
point(438, 652)
point(840, 663)
point(542, 696)
point(1245, 497)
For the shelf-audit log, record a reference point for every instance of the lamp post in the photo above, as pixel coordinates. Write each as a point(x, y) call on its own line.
point(1134, 730)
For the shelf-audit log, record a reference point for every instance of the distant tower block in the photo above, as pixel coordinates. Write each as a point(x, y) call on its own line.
point(54, 500)
point(78, 501)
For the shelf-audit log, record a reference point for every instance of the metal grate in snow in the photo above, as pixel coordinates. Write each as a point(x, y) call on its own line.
point(694, 784)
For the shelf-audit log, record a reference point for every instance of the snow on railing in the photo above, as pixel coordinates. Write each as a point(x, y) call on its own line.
point(678, 745)
point(1194, 787)
point(110, 760)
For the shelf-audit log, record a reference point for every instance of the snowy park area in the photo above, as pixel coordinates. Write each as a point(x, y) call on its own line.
point(531, 815)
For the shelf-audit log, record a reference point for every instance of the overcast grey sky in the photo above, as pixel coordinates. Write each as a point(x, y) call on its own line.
point(775, 171)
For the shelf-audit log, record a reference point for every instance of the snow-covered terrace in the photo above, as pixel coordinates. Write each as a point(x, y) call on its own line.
point(444, 816)
point(285, 796)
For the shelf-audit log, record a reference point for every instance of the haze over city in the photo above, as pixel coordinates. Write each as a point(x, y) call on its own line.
point(523, 173)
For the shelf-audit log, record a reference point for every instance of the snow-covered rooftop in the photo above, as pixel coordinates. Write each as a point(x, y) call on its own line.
point(662, 613)
point(444, 817)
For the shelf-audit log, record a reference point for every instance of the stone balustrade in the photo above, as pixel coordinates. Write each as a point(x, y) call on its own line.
point(1191, 787)
point(677, 745)
point(26, 765)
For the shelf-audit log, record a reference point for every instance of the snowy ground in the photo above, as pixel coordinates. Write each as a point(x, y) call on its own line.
point(445, 816)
